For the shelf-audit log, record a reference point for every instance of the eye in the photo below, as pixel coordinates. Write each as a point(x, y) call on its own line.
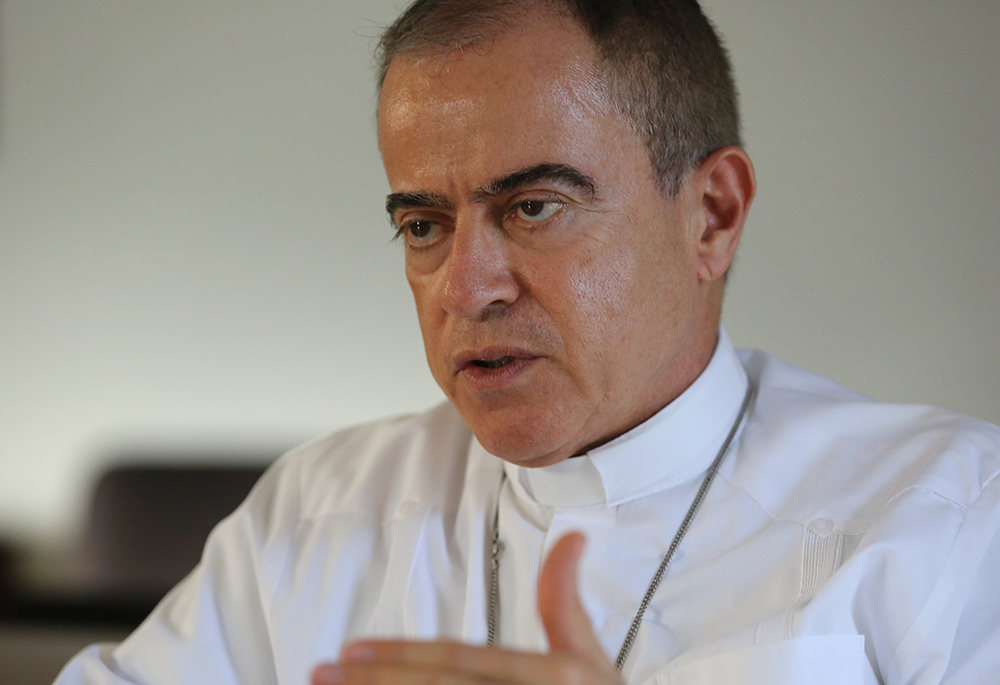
point(419, 231)
point(535, 211)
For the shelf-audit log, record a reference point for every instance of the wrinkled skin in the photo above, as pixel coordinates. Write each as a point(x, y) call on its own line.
point(562, 297)
point(610, 305)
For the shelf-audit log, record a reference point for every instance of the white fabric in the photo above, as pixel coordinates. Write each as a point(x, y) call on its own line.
point(844, 541)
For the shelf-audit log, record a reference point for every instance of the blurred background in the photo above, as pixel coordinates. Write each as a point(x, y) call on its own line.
point(195, 269)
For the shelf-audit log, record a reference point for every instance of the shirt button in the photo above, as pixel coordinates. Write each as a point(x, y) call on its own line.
point(821, 526)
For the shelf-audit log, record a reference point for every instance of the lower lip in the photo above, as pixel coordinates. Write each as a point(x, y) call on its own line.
point(482, 378)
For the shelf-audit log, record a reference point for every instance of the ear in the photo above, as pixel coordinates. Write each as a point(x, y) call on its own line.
point(724, 186)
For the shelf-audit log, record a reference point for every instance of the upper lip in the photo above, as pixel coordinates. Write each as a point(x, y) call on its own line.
point(464, 359)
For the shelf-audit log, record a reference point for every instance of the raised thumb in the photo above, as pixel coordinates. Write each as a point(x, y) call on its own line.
point(563, 617)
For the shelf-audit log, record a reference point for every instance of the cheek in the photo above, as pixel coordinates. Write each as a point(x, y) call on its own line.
point(619, 275)
point(424, 289)
point(419, 292)
point(625, 293)
point(430, 329)
point(602, 296)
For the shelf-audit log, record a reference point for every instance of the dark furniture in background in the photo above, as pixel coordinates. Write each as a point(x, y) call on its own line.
point(148, 524)
point(146, 527)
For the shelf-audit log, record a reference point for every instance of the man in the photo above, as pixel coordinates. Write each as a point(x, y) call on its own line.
point(568, 182)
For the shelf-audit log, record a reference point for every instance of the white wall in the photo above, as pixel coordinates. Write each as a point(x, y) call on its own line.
point(193, 251)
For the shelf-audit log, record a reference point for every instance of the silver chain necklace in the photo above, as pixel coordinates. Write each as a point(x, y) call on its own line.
point(493, 606)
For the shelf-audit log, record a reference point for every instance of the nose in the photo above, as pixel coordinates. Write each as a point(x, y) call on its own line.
point(477, 277)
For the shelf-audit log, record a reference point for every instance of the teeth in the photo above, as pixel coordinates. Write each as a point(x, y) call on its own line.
point(495, 363)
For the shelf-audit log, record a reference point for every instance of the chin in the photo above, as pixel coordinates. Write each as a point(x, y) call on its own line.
point(521, 440)
point(537, 424)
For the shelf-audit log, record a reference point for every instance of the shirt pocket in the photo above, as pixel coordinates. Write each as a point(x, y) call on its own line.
point(820, 660)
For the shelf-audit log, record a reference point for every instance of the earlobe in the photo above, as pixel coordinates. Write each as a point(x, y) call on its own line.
point(726, 185)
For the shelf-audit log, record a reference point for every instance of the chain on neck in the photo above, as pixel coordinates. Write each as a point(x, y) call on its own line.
point(493, 606)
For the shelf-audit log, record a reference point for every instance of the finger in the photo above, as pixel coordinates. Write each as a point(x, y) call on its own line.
point(566, 623)
point(378, 661)
point(381, 674)
point(327, 674)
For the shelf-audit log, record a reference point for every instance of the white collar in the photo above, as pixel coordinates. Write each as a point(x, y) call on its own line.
point(675, 445)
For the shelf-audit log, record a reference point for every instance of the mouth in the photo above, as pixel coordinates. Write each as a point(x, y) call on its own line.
point(493, 370)
point(491, 360)
point(492, 363)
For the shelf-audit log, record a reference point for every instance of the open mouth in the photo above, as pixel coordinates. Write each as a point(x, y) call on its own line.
point(492, 363)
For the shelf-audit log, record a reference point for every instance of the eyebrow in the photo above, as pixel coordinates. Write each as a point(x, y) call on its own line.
point(559, 173)
point(397, 201)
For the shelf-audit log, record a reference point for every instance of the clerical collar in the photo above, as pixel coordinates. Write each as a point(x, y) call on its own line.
point(674, 446)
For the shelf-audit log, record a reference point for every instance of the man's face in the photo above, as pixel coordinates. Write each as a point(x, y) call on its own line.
point(555, 283)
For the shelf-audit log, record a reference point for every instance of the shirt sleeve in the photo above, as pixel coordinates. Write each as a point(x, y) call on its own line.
point(975, 654)
point(212, 627)
point(955, 638)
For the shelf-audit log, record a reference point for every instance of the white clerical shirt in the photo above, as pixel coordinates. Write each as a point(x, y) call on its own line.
point(843, 541)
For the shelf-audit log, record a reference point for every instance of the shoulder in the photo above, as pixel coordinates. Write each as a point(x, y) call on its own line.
point(365, 468)
point(846, 457)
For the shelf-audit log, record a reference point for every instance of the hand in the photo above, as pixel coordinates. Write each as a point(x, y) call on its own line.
point(576, 656)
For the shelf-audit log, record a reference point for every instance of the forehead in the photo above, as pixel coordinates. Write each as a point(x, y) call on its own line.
point(539, 42)
point(536, 91)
